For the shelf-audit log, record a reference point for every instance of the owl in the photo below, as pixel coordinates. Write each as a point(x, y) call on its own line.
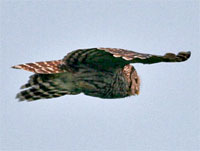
point(98, 72)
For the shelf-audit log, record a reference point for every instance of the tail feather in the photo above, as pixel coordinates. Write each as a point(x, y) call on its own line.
point(46, 67)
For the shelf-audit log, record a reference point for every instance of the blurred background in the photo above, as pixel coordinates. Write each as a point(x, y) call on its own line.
point(165, 116)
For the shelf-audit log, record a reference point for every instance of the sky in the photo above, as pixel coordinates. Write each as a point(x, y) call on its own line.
point(164, 117)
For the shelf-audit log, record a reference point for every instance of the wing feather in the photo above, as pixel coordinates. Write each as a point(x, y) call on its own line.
point(46, 67)
point(113, 58)
point(135, 57)
point(100, 58)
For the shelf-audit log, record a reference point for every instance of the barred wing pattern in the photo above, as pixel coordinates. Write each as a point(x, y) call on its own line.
point(125, 56)
point(113, 58)
point(100, 72)
point(44, 86)
point(45, 67)
point(135, 57)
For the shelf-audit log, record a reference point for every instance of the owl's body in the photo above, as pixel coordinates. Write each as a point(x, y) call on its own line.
point(98, 72)
point(105, 84)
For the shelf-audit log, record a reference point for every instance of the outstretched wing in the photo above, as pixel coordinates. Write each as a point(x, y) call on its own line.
point(109, 58)
point(135, 57)
point(45, 86)
point(46, 67)
point(100, 58)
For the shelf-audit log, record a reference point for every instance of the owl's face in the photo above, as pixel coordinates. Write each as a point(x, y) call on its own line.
point(133, 79)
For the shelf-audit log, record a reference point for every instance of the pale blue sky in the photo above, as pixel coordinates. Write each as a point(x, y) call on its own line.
point(164, 117)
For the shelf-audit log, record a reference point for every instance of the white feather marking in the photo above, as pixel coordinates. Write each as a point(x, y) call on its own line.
point(47, 64)
point(28, 66)
point(117, 55)
point(50, 68)
point(17, 67)
point(126, 58)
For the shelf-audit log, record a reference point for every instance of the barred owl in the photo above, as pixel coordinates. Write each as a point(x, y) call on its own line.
point(98, 72)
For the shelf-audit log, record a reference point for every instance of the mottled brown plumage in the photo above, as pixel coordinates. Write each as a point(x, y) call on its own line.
point(98, 72)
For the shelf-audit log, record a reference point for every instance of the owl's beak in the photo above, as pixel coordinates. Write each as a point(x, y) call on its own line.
point(137, 92)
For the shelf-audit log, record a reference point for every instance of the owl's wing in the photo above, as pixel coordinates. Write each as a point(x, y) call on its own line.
point(45, 86)
point(99, 58)
point(109, 58)
point(45, 67)
point(135, 57)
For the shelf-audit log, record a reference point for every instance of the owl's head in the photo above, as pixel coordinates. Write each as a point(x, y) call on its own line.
point(132, 79)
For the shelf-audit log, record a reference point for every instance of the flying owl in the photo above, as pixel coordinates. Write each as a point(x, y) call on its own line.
point(98, 72)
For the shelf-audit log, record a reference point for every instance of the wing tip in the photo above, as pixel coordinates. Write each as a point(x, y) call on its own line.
point(16, 67)
point(180, 57)
point(183, 55)
point(20, 97)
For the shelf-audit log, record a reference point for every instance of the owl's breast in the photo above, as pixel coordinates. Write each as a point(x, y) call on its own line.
point(103, 84)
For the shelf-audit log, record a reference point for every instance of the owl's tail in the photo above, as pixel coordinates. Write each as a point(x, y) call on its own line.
point(42, 86)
